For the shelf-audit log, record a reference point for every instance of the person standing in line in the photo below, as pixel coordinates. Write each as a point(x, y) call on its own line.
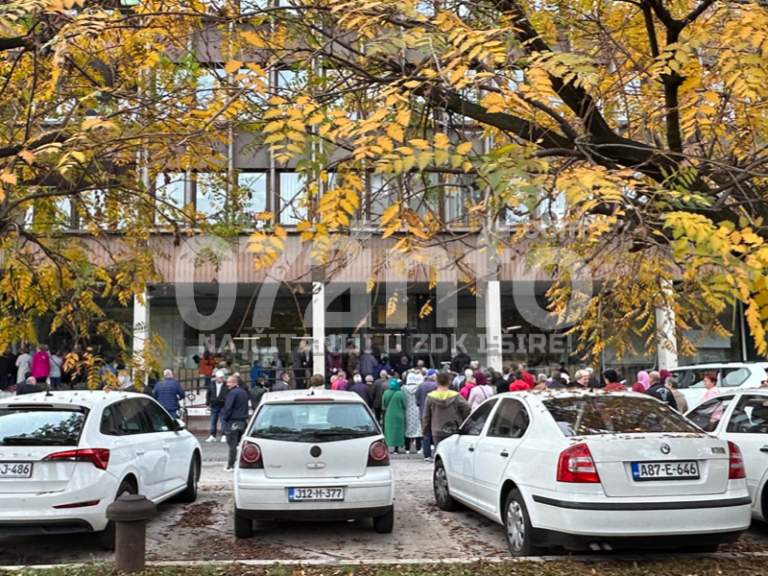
point(412, 416)
point(215, 399)
point(369, 345)
point(367, 363)
point(235, 416)
point(333, 364)
point(710, 383)
point(283, 384)
point(41, 364)
point(461, 361)
point(481, 392)
point(427, 386)
point(681, 401)
point(207, 366)
point(30, 386)
point(302, 364)
point(643, 382)
point(527, 376)
point(24, 365)
point(168, 392)
point(613, 382)
point(256, 393)
point(443, 406)
point(54, 372)
point(469, 383)
point(361, 389)
point(380, 386)
point(658, 390)
point(276, 367)
point(403, 366)
point(394, 416)
point(7, 369)
point(382, 365)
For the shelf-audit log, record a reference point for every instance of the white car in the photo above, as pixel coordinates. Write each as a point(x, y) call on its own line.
point(313, 456)
point(65, 456)
point(593, 470)
point(742, 417)
point(730, 376)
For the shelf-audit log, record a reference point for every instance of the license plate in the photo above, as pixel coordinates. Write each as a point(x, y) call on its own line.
point(315, 494)
point(681, 470)
point(15, 470)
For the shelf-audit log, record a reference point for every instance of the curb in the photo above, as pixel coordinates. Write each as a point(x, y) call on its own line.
point(407, 561)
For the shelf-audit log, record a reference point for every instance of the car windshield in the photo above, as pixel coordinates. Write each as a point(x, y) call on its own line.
point(603, 414)
point(313, 422)
point(40, 426)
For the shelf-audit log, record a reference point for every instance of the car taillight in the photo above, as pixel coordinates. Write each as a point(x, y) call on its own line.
point(378, 454)
point(99, 457)
point(736, 469)
point(250, 456)
point(576, 465)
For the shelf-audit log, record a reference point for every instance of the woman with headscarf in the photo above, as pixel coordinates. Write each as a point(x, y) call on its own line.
point(412, 414)
point(481, 392)
point(643, 382)
point(393, 403)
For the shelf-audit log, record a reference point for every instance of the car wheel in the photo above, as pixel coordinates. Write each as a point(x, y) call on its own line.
point(243, 526)
point(443, 496)
point(517, 526)
point(190, 492)
point(386, 523)
point(107, 536)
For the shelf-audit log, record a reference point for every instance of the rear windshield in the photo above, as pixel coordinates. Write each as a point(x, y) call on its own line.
point(40, 427)
point(313, 422)
point(589, 415)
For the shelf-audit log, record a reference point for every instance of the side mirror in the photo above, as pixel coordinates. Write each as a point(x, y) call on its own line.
point(178, 425)
point(450, 428)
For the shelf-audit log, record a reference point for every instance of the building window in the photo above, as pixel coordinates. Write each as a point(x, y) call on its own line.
point(211, 194)
point(383, 195)
point(292, 205)
point(253, 187)
point(169, 195)
point(460, 192)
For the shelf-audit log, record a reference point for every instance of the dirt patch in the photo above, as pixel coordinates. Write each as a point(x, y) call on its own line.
point(198, 515)
point(236, 549)
point(746, 543)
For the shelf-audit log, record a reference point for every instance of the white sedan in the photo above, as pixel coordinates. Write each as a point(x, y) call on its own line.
point(313, 456)
point(742, 417)
point(65, 456)
point(593, 470)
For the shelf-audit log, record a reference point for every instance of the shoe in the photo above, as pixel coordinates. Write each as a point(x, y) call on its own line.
point(223, 439)
point(229, 469)
point(428, 460)
point(419, 451)
point(211, 439)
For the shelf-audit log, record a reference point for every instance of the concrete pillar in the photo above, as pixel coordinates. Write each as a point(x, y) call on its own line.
point(665, 326)
point(140, 322)
point(493, 324)
point(318, 328)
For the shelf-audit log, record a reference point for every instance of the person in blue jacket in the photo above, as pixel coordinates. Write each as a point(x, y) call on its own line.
point(168, 392)
point(235, 416)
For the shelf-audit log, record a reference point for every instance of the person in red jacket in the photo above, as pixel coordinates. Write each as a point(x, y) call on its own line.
point(519, 384)
point(527, 377)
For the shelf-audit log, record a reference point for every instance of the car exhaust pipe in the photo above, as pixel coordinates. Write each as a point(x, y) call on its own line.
point(594, 546)
point(607, 547)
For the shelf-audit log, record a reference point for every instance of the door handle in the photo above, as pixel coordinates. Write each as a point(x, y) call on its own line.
point(764, 449)
point(505, 454)
point(139, 452)
point(471, 448)
point(166, 447)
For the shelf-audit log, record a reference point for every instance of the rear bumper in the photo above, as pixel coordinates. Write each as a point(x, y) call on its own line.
point(551, 538)
point(43, 527)
point(326, 514)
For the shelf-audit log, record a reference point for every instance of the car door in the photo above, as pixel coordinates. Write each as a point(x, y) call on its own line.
point(496, 448)
point(708, 415)
point(747, 427)
point(174, 456)
point(150, 457)
point(460, 454)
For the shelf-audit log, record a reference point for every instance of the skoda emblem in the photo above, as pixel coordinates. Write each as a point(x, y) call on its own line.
point(665, 449)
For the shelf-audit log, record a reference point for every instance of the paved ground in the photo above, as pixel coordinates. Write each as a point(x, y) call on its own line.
point(203, 531)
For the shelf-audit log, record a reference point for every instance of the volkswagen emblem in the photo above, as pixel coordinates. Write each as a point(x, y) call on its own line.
point(665, 448)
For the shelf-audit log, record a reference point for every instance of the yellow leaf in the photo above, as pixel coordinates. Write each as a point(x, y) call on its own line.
point(253, 39)
point(8, 178)
point(233, 66)
point(27, 155)
point(395, 132)
point(389, 214)
point(404, 116)
point(419, 143)
point(442, 141)
point(464, 148)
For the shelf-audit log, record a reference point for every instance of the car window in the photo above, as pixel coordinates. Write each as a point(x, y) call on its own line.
point(605, 414)
point(133, 417)
point(694, 378)
point(32, 426)
point(159, 420)
point(708, 415)
point(314, 422)
point(473, 426)
point(750, 416)
point(111, 421)
point(510, 421)
point(734, 376)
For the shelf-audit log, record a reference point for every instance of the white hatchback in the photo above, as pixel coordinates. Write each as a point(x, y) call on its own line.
point(65, 456)
point(313, 456)
point(593, 470)
point(742, 417)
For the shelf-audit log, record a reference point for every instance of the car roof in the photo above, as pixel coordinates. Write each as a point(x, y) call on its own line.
point(292, 395)
point(541, 395)
point(711, 365)
point(742, 391)
point(85, 398)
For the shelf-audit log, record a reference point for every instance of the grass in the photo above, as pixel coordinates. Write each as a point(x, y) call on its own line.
point(748, 566)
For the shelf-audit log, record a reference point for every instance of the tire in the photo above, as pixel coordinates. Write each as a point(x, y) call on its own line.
point(107, 536)
point(442, 493)
point(189, 494)
point(243, 526)
point(386, 523)
point(517, 527)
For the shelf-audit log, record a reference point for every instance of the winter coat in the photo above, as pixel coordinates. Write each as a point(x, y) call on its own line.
point(424, 389)
point(214, 401)
point(362, 390)
point(460, 363)
point(467, 389)
point(280, 386)
point(519, 386)
point(379, 387)
point(367, 365)
point(412, 415)
point(168, 392)
point(402, 368)
point(442, 407)
point(256, 394)
point(480, 394)
point(236, 407)
point(41, 364)
point(661, 392)
point(23, 363)
point(394, 418)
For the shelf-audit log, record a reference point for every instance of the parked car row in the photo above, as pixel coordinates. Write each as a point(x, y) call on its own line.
point(574, 469)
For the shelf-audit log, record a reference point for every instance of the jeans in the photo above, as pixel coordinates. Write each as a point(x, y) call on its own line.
point(207, 382)
point(409, 444)
point(233, 439)
point(215, 416)
point(55, 382)
point(427, 444)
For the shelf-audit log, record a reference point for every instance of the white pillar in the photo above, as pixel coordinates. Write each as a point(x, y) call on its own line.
point(140, 323)
point(493, 324)
point(318, 328)
point(665, 326)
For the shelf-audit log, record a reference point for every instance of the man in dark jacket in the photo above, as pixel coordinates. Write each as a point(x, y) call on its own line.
point(302, 364)
point(361, 389)
point(380, 385)
point(30, 386)
point(421, 353)
point(7, 369)
point(443, 406)
point(368, 363)
point(283, 384)
point(460, 361)
point(235, 416)
point(659, 391)
point(427, 386)
point(168, 392)
point(215, 398)
point(256, 393)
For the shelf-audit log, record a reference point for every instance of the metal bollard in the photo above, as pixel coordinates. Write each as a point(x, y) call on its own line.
point(130, 513)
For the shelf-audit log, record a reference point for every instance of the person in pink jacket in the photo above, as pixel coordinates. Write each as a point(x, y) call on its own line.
point(41, 364)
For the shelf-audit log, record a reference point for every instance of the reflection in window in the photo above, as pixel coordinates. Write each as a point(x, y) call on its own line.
point(289, 82)
point(383, 195)
point(254, 187)
point(460, 193)
point(423, 191)
point(211, 198)
point(292, 210)
point(169, 193)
